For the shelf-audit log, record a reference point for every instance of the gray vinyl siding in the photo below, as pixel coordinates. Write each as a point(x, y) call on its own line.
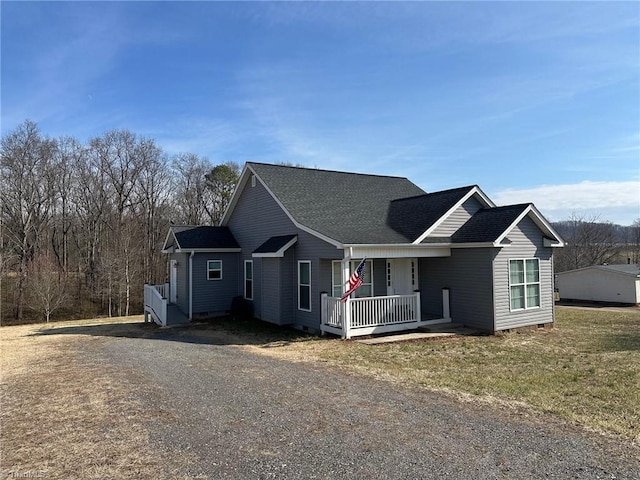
point(256, 218)
point(468, 275)
point(213, 297)
point(526, 242)
point(326, 276)
point(288, 284)
point(458, 218)
point(271, 290)
point(278, 276)
point(182, 294)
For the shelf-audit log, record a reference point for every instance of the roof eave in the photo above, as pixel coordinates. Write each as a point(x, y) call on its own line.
point(478, 245)
point(166, 239)
point(205, 250)
point(391, 245)
point(279, 253)
point(540, 221)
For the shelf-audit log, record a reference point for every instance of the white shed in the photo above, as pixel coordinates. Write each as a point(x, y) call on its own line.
point(601, 283)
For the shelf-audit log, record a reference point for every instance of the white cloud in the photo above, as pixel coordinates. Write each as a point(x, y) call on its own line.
point(618, 202)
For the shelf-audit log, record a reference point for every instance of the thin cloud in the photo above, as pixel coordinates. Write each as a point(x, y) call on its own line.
point(621, 199)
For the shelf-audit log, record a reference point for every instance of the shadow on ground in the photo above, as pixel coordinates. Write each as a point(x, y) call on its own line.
point(219, 331)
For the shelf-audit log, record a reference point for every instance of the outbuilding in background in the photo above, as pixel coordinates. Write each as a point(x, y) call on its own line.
point(601, 283)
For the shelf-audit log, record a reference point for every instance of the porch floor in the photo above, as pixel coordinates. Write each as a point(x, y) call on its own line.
point(433, 331)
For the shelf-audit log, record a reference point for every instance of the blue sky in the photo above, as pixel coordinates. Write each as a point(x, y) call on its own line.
point(533, 101)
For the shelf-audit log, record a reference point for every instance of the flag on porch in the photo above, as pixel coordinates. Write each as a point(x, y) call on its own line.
point(355, 280)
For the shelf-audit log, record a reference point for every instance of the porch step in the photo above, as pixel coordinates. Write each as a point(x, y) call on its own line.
point(434, 331)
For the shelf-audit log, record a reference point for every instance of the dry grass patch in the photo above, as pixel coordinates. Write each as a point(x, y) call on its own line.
point(586, 369)
point(65, 415)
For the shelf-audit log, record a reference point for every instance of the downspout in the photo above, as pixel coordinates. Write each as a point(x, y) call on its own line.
point(191, 285)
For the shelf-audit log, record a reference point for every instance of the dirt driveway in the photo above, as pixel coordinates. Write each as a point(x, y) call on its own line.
point(203, 407)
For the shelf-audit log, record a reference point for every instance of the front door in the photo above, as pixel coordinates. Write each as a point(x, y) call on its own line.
point(173, 281)
point(402, 276)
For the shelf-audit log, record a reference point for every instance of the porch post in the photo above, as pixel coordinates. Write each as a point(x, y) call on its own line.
point(418, 306)
point(323, 312)
point(346, 319)
point(346, 306)
point(446, 312)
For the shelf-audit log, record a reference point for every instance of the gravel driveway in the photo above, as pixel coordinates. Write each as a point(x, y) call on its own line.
point(249, 416)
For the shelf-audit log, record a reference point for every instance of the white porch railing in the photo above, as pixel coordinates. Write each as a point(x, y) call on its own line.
point(369, 315)
point(155, 302)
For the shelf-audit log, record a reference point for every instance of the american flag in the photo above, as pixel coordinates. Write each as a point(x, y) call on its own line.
point(355, 280)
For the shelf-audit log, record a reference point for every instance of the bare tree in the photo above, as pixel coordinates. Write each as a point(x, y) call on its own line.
point(634, 241)
point(122, 157)
point(589, 242)
point(153, 194)
point(190, 188)
point(27, 196)
point(46, 285)
point(69, 154)
point(92, 204)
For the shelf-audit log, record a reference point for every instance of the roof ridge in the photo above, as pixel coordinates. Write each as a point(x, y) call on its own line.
point(193, 226)
point(502, 207)
point(327, 170)
point(450, 190)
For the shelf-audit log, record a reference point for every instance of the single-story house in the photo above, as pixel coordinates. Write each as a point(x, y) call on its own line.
point(291, 237)
point(601, 283)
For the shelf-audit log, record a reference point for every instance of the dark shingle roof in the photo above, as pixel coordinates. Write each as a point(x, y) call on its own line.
point(204, 237)
point(487, 224)
point(347, 207)
point(413, 216)
point(274, 244)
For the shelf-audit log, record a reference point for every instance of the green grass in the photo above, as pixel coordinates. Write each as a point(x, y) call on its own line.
point(586, 369)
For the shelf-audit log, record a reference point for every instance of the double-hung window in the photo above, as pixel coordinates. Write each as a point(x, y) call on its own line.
point(248, 279)
point(524, 283)
point(365, 290)
point(214, 269)
point(304, 285)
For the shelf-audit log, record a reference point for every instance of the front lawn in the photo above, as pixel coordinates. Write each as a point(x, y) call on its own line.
point(586, 369)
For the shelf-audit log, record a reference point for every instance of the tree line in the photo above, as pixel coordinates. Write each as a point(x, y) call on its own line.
point(591, 241)
point(82, 225)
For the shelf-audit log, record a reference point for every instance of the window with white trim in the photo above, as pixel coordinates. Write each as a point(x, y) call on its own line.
point(214, 269)
point(337, 288)
point(248, 279)
point(304, 285)
point(524, 283)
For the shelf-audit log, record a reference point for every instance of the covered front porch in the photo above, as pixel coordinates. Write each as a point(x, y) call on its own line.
point(372, 315)
point(391, 297)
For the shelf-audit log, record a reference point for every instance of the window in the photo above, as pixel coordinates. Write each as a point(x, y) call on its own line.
point(214, 269)
point(366, 290)
point(304, 285)
point(248, 279)
point(524, 283)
